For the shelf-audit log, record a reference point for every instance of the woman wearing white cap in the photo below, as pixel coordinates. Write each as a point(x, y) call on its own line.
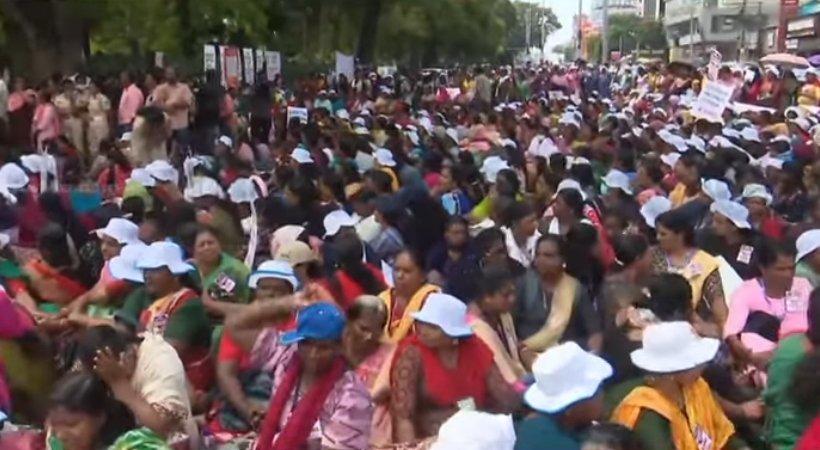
point(758, 200)
point(674, 409)
point(457, 370)
point(223, 278)
point(808, 257)
point(169, 308)
point(244, 391)
point(730, 235)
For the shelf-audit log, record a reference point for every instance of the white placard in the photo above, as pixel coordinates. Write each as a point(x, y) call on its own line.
point(712, 101)
point(715, 59)
point(260, 59)
point(159, 59)
point(299, 113)
point(740, 108)
point(273, 62)
point(345, 64)
point(222, 78)
point(248, 60)
point(231, 65)
point(209, 57)
point(453, 93)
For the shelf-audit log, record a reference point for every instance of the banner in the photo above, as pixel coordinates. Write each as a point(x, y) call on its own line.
point(712, 101)
point(260, 59)
point(273, 63)
point(297, 113)
point(249, 60)
point(345, 64)
point(209, 57)
point(231, 65)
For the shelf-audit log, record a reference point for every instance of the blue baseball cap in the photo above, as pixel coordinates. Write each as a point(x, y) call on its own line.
point(317, 322)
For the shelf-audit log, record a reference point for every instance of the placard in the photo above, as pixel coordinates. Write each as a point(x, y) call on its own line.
point(297, 113)
point(715, 58)
point(712, 101)
point(209, 57)
point(453, 93)
point(260, 59)
point(231, 65)
point(345, 64)
point(248, 61)
point(273, 64)
point(159, 59)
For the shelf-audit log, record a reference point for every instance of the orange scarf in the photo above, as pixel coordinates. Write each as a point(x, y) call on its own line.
point(702, 422)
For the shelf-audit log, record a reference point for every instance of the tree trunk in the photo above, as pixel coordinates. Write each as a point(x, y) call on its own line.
point(369, 31)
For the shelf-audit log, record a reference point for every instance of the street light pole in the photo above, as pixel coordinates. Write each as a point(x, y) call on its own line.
point(605, 32)
point(692, 31)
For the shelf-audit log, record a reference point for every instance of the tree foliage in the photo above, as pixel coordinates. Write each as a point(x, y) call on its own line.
point(59, 34)
point(543, 22)
point(633, 31)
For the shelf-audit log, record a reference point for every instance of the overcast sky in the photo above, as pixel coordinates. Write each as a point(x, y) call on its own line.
point(565, 10)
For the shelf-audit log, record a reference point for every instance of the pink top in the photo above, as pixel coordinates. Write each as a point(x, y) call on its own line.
point(177, 100)
point(750, 297)
point(46, 123)
point(130, 102)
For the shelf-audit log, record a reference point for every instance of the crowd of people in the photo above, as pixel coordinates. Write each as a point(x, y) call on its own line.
point(548, 257)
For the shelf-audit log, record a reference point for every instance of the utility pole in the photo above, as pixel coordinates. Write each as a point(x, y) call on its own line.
point(580, 49)
point(692, 31)
point(605, 32)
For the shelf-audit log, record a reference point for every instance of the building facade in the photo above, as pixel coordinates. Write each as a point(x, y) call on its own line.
point(739, 29)
point(614, 8)
point(801, 26)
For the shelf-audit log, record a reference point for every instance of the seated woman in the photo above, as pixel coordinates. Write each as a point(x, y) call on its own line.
point(675, 409)
point(676, 252)
point(766, 309)
point(117, 234)
point(788, 415)
point(492, 323)
point(352, 276)
point(407, 296)
point(168, 308)
point(244, 391)
point(144, 374)
point(53, 280)
point(83, 416)
point(317, 402)
point(224, 279)
point(552, 306)
point(804, 392)
point(440, 369)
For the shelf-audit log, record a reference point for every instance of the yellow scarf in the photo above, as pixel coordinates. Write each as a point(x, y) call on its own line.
point(563, 300)
point(699, 268)
point(678, 196)
point(505, 352)
point(406, 321)
point(704, 420)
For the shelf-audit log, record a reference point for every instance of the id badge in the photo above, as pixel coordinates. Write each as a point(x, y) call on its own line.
point(467, 404)
point(702, 439)
point(795, 304)
point(225, 283)
point(745, 254)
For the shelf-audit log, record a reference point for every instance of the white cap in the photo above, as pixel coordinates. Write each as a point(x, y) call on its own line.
point(163, 171)
point(359, 122)
point(301, 155)
point(121, 230)
point(673, 347)
point(750, 134)
point(337, 219)
point(670, 159)
point(569, 183)
point(34, 163)
point(653, 208)
point(807, 243)
point(674, 140)
point(384, 157)
point(343, 114)
point(280, 270)
point(491, 167)
point(570, 119)
point(735, 212)
point(226, 141)
point(447, 313)
point(124, 266)
point(474, 430)
point(203, 187)
point(565, 375)
point(452, 134)
point(164, 254)
point(697, 143)
point(126, 137)
point(243, 190)
point(755, 190)
point(616, 179)
point(717, 190)
point(142, 177)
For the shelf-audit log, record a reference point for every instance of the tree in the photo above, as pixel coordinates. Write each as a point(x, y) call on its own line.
point(628, 32)
point(566, 51)
point(541, 22)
